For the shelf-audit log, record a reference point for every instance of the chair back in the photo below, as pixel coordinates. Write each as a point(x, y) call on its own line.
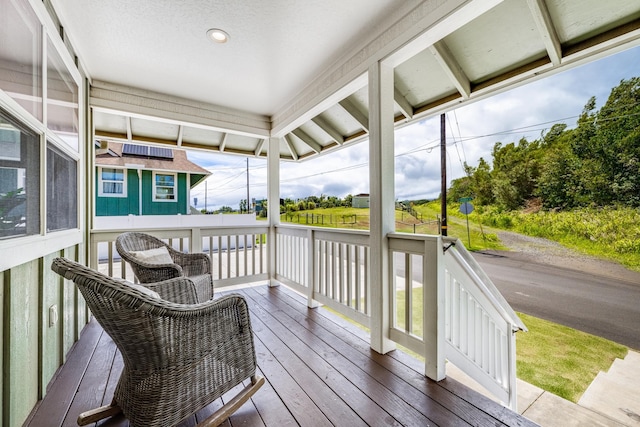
point(136, 241)
point(128, 315)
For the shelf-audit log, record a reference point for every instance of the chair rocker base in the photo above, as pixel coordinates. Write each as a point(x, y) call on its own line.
point(214, 420)
point(98, 414)
point(231, 406)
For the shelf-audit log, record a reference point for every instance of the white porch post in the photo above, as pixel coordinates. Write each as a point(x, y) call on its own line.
point(273, 204)
point(434, 310)
point(381, 188)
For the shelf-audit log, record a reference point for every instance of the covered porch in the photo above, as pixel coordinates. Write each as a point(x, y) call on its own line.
point(319, 371)
point(143, 72)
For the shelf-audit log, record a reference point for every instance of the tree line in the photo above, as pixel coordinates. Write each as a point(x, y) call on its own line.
point(597, 163)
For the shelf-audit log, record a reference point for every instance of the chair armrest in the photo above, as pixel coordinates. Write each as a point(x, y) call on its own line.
point(180, 290)
point(193, 264)
point(152, 273)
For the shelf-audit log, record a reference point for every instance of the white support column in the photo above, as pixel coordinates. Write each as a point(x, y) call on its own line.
point(381, 188)
point(433, 301)
point(273, 204)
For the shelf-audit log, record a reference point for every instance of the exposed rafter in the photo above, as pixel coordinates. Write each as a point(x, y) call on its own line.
point(354, 112)
point(452, 68)
point(304, 137)
point(292, 149)
point(180, 133)
point(547, 31)
point(129, 131)
point(259, 147)
point(329, 129)
point(223, 143)
point(405, 106)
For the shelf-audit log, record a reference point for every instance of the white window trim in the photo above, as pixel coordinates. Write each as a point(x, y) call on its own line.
point(175, 187)
point(101, 192)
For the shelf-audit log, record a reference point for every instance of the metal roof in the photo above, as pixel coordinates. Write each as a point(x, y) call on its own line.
point(298, 69)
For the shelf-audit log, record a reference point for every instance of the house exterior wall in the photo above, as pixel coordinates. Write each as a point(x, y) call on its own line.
point(32, 348)
point(174, 207)
point(130, 205)
point(119, 206)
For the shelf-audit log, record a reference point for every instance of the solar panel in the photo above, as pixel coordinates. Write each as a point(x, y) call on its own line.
point(135, 150)
point(146, 151)
point(164, 153)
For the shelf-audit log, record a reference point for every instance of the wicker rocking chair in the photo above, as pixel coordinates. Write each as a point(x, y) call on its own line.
point(177, 357)
point(133, 247)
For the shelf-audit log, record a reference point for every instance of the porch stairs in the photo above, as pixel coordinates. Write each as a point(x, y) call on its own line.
point(612, 399)
point(616, 393)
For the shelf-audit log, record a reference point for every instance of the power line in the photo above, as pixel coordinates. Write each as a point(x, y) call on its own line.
point(428, 147)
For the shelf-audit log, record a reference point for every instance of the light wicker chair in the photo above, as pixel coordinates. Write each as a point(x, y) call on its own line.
point(177, 357)
point(195, 266)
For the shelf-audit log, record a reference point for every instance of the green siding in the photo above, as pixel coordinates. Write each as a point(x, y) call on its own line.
point(149, 207)
point(119, 206)
point(21, 335)
point(32, 351)
point(52, 294)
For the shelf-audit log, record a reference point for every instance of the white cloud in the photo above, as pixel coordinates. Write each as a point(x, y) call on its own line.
point(472, 130)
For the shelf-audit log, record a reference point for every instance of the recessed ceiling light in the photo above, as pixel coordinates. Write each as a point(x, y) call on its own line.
point(217, 35)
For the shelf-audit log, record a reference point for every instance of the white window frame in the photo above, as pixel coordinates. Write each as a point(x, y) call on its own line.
point(175, 187)
point(101, 192)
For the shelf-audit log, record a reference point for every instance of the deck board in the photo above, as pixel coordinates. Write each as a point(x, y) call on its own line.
point(319, 371)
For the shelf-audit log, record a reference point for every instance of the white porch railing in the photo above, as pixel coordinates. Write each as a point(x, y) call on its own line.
point(480, 325)
point(330, 266)
point(440, 297)
point(238, 254)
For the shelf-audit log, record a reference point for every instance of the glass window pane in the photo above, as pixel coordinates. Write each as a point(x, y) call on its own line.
point(164, 188)
point(62, 99)
point(113, 174)
point(21, 59)
point(19, 179)
point(112, 188)
point(62, 190)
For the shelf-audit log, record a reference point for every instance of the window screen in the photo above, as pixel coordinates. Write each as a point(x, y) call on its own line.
point(62, 190)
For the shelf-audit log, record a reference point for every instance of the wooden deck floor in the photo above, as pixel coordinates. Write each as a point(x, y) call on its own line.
point(319, 371)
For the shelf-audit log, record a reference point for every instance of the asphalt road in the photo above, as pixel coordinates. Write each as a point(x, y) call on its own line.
point(596, 303)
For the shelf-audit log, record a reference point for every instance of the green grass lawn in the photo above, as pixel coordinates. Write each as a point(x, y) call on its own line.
point(562, 360)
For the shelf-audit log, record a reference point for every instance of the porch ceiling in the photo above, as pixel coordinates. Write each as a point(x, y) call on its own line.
point(295, 69)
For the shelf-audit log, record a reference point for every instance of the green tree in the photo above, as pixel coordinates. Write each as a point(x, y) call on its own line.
point(515, 172)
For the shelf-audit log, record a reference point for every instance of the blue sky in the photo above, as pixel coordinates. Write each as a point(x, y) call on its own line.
point(472, 131)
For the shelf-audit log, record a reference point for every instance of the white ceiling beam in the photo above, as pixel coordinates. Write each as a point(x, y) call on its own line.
point(329, 129)
point(292, 149)
point(547, 30)
point(304, 137)
point(405, 106)
point(140, 103)
point(354, 112)
point(260, 147)
point(452, 68)
point(223, 143)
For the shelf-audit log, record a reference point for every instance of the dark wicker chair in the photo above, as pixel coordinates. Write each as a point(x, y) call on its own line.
point(196, 267)
point(177, 357)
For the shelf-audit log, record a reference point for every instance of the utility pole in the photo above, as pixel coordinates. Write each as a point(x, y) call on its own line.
point(205, 197)
point(443, 174)
point(248, 206)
